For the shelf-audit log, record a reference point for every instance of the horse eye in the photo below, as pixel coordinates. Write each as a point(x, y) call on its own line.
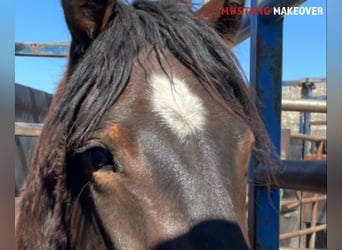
point(101, 159)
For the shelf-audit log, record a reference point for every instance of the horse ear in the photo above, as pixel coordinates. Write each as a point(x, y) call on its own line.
point(213, 13)
point(86, 19)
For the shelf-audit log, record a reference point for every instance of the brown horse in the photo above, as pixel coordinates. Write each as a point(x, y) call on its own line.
point(149, 136)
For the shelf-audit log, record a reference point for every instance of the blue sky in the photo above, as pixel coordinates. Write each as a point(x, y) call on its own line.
point(304, 46)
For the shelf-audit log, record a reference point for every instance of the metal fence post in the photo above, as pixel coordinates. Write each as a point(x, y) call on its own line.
point(266, 79)
point(305, 117)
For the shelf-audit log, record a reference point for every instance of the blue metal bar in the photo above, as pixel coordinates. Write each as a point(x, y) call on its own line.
point(266, 79)
point(50, 49)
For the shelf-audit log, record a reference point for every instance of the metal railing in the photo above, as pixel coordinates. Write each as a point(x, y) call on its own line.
point(47, 49)
point(310, 200)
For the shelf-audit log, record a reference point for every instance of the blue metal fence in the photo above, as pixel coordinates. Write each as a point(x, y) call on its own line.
point(51, 49)
point(265, 78)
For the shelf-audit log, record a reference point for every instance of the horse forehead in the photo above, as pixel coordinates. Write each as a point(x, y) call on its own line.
point(163, 93)
point(177, 106)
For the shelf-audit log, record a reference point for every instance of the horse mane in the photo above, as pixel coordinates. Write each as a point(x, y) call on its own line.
point(95, 80)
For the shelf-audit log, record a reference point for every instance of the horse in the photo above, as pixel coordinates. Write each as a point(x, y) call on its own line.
point(149, 136)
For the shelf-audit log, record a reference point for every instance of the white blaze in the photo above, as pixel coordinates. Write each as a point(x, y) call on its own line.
point(178, 107)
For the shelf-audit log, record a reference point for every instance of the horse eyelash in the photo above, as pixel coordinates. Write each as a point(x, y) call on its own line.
point(87, 147)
